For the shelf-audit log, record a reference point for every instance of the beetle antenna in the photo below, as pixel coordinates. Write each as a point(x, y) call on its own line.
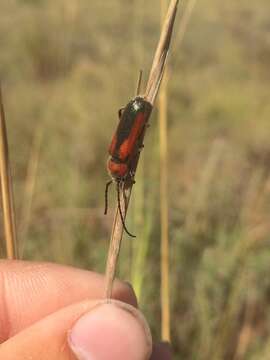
point(120, 210)
point(139, 83)
point(106, 196)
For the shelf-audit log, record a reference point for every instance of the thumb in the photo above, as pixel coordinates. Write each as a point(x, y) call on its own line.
point(86, 331)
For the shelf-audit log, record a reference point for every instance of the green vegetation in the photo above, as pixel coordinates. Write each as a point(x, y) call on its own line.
point(66, 67)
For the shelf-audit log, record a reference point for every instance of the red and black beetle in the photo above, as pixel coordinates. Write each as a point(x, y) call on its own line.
point(126, 143)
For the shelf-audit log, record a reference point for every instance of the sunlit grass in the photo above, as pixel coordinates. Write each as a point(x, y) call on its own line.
point(72, 83)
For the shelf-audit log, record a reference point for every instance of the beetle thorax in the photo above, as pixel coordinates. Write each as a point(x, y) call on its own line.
point(117, 169)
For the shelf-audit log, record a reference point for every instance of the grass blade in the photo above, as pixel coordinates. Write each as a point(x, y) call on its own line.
point(161, 54)
point(29, 189)
point(152, 88)
point(164, 221)
point(6, 189)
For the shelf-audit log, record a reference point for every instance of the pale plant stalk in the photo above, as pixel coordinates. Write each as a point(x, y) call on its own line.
point(161, 54)
point(115, 244)
point(152, 88)
point(145, 224)
point(138, 207)
point(185, 21)
point(6, 189)
point(29, 189)
point(164, 221)
point(138, 246)
point(164, 207)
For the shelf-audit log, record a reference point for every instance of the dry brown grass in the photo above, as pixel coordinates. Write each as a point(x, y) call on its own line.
point(6, 189)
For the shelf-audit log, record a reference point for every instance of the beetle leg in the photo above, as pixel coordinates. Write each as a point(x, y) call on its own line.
point(120, 188)
point(106, 196)
point(120, 112)
point(132, 175)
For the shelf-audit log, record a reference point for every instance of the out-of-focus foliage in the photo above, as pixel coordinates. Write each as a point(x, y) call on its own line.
point(66, 67)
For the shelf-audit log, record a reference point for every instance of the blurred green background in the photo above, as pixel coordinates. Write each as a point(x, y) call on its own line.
point(66, 67)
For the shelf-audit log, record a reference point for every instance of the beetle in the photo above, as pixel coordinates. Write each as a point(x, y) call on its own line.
point(126, 144)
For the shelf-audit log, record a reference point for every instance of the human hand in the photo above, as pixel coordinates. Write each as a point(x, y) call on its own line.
point(53, 312)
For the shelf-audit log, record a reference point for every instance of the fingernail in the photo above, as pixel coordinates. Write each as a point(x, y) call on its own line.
point(112, 331)
point(129, 285)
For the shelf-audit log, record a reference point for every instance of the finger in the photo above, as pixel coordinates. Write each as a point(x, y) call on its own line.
point(84, 331)
point(30, 291)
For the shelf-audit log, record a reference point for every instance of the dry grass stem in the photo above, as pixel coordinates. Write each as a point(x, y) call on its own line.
point(188, 11)
point(115, 242)
point(30, 184)
point(185, 21)
point(161, 54)
point(164, 221)
point(164, 210)
point(152, 88)
point(6, 189)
